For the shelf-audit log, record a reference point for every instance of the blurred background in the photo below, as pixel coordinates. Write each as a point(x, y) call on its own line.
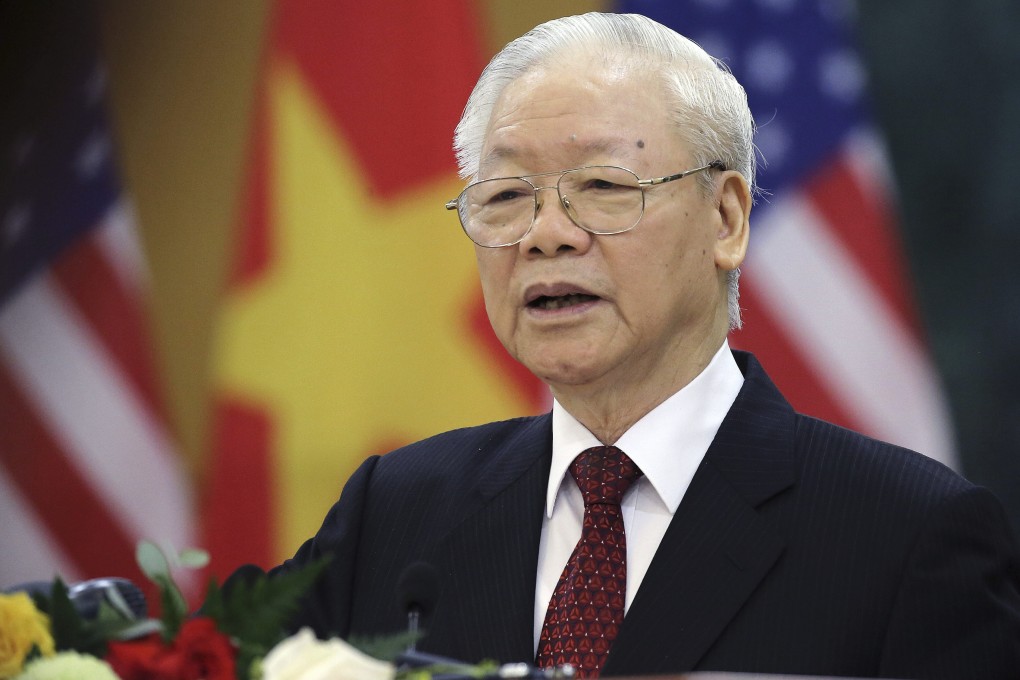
point(227, 275)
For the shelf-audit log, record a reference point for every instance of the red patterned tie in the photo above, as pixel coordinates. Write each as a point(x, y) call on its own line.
point(586, 608)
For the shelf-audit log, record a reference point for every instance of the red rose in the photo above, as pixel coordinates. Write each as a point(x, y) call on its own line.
point(142, 658)
point(200, 652)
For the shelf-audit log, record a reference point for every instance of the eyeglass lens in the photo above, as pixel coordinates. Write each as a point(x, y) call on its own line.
point(601, 199)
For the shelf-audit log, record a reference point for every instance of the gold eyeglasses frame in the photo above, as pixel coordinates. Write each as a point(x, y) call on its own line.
point(455, 203)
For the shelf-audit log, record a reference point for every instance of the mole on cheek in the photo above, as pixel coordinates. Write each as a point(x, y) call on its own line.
point(640, 143)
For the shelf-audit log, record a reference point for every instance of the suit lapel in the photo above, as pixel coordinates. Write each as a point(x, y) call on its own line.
point(489, 561)
point(715, 552)
point(717, 548)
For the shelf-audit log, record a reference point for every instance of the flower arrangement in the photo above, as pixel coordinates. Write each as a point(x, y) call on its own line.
point(238, 634)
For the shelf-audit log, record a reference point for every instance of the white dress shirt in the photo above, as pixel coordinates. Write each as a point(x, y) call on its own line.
point(668, 444)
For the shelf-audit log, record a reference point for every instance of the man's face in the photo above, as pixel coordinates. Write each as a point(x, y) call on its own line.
point(601, 312)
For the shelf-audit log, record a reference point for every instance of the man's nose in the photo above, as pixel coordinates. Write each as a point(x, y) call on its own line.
point(554, 230)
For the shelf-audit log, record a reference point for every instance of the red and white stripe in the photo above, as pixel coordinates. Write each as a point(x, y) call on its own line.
point(87, 465)
point(824, 268)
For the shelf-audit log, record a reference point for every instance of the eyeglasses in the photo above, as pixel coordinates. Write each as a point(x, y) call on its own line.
point(601, 199)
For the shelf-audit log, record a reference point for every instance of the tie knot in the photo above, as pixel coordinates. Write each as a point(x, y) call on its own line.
point(603, 474)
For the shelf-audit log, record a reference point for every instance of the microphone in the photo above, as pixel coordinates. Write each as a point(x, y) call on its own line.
point(418, 587)
point(120, 593)
point(87, 596)
point(508, 671)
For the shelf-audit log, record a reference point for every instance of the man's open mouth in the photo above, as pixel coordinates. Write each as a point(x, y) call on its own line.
point(548, 302)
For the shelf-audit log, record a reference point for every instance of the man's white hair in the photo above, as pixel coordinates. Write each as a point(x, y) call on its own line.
point(709, 107)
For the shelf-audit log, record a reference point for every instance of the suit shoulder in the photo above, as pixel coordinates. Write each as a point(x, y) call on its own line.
point(864, 462)
point(465, 448)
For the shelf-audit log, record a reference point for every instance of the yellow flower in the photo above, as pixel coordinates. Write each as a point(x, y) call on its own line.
point(22, 626)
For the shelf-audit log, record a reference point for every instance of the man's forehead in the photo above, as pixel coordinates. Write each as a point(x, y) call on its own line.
point(603, 112)
point(580, 144)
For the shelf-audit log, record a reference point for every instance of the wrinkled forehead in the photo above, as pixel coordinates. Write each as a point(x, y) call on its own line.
point(584, 107)
point(603, 70)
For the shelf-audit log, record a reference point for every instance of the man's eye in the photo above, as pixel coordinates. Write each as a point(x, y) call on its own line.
point(598, 183)
point(506, 195)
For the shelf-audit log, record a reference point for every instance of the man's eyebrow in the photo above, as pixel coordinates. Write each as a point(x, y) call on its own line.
point(498, 153)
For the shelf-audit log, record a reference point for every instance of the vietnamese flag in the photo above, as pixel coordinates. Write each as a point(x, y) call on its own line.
point(353, 322)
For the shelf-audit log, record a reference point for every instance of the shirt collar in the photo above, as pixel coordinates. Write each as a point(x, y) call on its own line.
point(669, 442)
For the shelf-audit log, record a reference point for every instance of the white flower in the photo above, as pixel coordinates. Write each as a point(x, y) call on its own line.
point(304, 657)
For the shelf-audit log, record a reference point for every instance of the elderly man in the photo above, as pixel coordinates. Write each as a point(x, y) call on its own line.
point(672, 512)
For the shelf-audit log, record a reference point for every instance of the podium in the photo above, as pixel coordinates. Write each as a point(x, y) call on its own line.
point(753, 676)
point(714, 675)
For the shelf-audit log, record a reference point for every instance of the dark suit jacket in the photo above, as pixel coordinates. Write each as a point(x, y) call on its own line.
point(800, 547)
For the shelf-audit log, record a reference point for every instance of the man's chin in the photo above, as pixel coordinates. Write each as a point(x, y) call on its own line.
point(565, 374)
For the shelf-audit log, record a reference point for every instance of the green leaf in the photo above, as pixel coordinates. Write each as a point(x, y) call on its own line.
point(174, 608)
point(213, 606)
point(254, 670)
point(65, 623)
point(482, 670)
point(254, 612)
point(385, 647)
point(33, 654)
point(248, 657)
point(113, 607)
point(136, 629)
point(257, 610)
point(152, 561)
point(193, 558)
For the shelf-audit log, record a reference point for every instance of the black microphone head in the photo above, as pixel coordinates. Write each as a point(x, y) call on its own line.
point(87, 596)
point(418, 588)
point(31, 588)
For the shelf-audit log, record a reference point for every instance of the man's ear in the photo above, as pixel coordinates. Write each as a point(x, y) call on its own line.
point(735, 221)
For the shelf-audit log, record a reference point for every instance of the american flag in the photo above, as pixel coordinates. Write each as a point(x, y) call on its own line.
point(87, 465)
point(825, 290)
